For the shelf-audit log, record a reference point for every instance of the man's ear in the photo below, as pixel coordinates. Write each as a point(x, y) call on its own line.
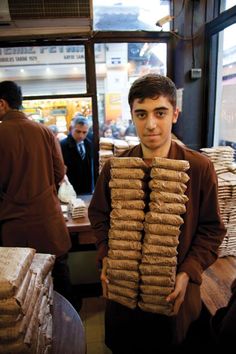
point(4, 106)
point(1, 102)
point(175, 115)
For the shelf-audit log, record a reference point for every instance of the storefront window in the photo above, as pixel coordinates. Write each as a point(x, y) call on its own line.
point(225, 119)
point(45, 70)
point(124, 62)
point(130, 15)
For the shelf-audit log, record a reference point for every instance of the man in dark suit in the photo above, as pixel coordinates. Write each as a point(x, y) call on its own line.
point(77, 154)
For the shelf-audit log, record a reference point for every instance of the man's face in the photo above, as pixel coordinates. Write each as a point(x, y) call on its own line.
point(153, 119)
point(79, 132)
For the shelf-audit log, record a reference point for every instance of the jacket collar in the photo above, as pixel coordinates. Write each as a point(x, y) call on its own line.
point(176, 151)
point(13, 114)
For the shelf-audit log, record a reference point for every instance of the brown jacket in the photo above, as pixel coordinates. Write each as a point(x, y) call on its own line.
point(201, 233)
point(31, 167)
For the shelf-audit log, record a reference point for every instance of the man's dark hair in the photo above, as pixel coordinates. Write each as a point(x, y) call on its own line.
point(152, 86)
point(11, 92)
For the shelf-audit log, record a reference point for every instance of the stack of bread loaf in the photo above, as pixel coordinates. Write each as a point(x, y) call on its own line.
point(141, 270)
point(128, 192)
point(25, 301)
point(161, 231)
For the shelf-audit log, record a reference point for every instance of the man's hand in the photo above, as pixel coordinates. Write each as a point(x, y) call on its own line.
point(177, 296)
point(103, 278)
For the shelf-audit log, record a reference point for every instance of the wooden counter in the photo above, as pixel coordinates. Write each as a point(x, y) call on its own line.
point(217, 279)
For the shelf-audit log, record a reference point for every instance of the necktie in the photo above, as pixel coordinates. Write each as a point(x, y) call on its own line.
point(81, 150)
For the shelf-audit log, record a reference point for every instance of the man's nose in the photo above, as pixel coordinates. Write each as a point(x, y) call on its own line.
point(151, 121)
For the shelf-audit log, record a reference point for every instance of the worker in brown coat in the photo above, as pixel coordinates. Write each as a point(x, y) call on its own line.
point(152, 100)
point(31, 168)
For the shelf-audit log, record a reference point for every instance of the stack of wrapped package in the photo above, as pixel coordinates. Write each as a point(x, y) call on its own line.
point(223, 160)
point(143, 235)
point(132, 140)
point(77, 208)
point(162, 228)
point(227, 201)
point(26, 292)
point(106, 146)
point(120, 146)
point(104, 155)
point(128, 176)
point(221, 156)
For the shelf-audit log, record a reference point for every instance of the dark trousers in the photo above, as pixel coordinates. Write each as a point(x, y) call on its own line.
point(130, 331)
point(62, 282)
point(61, 277)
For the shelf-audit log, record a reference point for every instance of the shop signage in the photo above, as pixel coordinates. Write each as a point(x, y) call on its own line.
point(45, 55)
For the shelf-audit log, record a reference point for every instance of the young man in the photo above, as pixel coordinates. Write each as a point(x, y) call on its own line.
point(152, 100)
point(31, 168)
point(77, 154)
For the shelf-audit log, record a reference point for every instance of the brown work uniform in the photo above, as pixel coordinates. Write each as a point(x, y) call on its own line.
point(31, 167)
point(201, 235)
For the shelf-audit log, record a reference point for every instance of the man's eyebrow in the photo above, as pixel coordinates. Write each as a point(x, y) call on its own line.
point(140, 110)
point(161, 108)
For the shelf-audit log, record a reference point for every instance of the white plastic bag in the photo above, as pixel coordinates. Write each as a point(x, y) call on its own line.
point(66, 191)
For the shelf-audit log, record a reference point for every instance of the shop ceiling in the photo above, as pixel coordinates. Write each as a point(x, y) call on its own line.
point(27, 18)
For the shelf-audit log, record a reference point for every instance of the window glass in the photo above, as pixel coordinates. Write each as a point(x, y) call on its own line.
point(58, 111)
point(227, 4)
point(45, 70)
point(130, 15)
point(225, 121)
point(124, 62)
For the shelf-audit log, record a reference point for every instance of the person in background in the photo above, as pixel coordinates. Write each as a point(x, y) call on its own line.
point(107, 132)
point(54, 129)
point(130, 130)
point(77, 154)
point(31, 168)
point(152, 100)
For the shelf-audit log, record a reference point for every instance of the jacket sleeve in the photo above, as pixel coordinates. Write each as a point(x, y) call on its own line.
point(210, 229)
point(58, 162)
point(99, 211)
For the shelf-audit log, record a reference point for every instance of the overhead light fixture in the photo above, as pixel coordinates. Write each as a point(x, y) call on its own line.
point(164, 20)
